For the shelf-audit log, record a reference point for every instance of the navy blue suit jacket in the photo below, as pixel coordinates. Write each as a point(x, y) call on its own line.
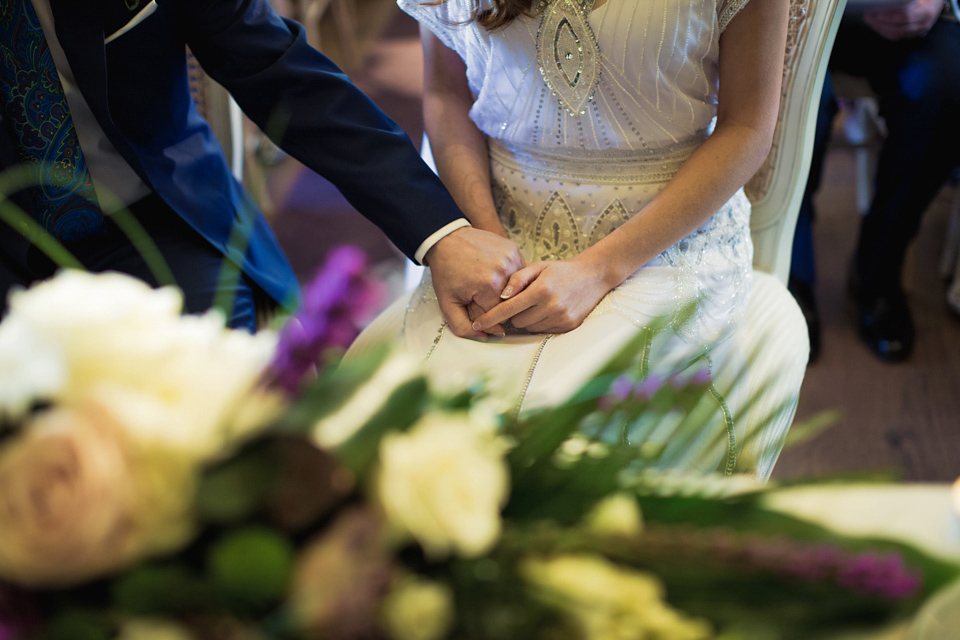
point(137, 87)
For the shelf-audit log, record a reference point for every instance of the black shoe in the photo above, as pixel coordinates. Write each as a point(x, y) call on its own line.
point(803, 294)
point(886, 326)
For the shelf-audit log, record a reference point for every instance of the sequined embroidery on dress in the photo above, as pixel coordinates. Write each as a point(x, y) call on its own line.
point(557, 234)
point(568, 54)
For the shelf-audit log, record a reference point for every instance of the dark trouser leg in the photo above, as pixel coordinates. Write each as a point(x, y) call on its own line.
point(802, 264)
point(11, 276)
point(197, 267)
point(918, 82)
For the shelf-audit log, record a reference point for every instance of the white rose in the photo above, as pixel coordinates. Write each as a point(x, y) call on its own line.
point(104, 323)
point(608, 601)
point(153, 629)
point(188, 398)
point(444, 482)
point(617, 514)
point(418, 609)
point(31, 368)
point(75, 297)
point(78, 500)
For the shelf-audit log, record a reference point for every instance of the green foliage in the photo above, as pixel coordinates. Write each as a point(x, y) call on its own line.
point(231, 492)
point(252, 566)
point(404, 407)
point(75, 624)
point(159, 589)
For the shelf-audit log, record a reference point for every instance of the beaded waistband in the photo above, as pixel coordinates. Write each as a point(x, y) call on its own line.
point(605, 166)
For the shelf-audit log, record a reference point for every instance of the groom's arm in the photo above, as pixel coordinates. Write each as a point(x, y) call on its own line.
point(312, 111)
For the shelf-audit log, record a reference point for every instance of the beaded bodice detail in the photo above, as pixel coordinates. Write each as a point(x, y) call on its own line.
point(627, 74)
point(589, 112)
point(567, 53)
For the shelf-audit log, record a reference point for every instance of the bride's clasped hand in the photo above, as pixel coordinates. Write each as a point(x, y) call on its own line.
point(548, 297)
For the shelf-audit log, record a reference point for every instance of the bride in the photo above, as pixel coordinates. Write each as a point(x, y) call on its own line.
point(610, 139)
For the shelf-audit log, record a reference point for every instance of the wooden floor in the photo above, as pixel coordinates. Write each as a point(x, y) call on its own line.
point(902, 418)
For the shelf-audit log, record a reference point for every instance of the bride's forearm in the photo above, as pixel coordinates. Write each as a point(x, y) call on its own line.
point(750, 70)
point(712, 174)
point(459, 148)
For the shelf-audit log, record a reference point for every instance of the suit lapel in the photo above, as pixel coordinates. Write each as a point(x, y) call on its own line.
point(79, 25)
point(80, 29)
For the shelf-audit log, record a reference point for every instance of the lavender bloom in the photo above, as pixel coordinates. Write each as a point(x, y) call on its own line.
point(648, 387)
point(335, 305)
point(883, 575)
point(701, 378)
point(620, 390)
point(872, 574)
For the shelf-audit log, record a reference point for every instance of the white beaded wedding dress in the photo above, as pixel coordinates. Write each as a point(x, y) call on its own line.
point(589, 113)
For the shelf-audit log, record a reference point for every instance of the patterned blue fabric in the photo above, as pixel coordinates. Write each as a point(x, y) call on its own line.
point(37, 110)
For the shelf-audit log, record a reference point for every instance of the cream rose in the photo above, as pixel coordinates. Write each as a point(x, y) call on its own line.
point(418, 609)
point(170, 378)
point(78, 500)
point(105, 324)
point(187, 399)
point(31, 368)
point(606, 601)
point(445, 482)
point(153, 629)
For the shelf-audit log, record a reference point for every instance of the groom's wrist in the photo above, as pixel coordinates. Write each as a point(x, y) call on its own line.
point(436, 237)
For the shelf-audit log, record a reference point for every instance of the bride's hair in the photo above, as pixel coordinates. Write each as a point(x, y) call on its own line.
point(502, 13)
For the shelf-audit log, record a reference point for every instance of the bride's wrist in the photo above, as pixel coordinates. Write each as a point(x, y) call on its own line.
point(605, 270)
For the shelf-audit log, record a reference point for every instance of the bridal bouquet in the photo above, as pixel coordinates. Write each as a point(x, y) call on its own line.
point(163, 478)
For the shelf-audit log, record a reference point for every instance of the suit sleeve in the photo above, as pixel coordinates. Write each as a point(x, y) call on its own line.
point(311, 109)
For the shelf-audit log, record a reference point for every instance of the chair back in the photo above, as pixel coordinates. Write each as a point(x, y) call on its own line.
point(777, 188)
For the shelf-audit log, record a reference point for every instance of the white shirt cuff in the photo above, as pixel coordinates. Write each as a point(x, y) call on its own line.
point(437, 235)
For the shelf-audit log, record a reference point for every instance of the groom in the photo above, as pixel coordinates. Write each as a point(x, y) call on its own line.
point(96, 101)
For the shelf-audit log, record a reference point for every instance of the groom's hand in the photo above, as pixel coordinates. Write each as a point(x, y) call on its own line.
point(912, 21)
point(469, 268)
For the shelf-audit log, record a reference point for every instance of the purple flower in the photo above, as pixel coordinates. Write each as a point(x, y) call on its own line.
point(882, 575)
point(701, 378)
point(336, 304)
point(648, 387)
point(621, 389)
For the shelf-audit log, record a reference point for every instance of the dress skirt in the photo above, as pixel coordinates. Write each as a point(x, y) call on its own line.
point(689, 300)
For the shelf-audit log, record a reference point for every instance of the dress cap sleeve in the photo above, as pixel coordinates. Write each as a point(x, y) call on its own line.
point(727, 9)
point(447, 20)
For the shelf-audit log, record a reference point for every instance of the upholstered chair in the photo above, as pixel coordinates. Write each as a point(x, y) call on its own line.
point(775, 337)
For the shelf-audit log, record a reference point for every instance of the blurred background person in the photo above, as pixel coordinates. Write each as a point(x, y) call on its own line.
point(910, 55)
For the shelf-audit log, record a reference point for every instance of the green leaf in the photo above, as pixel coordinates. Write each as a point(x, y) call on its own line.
point(404, 407)
point(330, 390)
point(232, 491)
point(75, 624)
point(158, 590)
point(743, 514)
point(252, 565)
point(565, 493)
